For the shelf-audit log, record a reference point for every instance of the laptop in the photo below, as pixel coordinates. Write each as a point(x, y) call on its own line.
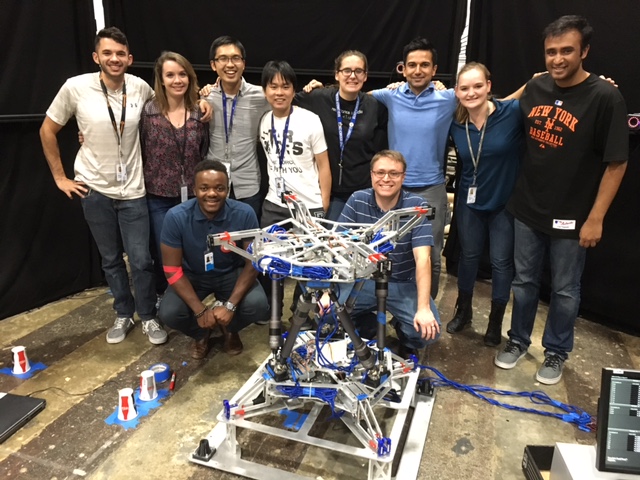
point(15, 411)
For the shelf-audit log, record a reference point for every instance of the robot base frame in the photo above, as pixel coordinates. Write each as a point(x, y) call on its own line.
point(409, 420)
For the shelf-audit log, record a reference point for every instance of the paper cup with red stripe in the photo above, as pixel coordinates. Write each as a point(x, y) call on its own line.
point(126, 406)
point(20, 360)
point(148, 390)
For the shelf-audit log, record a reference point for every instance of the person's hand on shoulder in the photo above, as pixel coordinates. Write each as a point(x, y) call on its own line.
point(395, 85)
point(610, 80)
point(312, 85)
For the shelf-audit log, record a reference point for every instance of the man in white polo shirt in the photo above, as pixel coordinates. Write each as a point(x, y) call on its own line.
point(108, 176)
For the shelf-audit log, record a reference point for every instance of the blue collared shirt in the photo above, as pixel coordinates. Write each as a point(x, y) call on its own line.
point(418, 128)
point(362, 208)
point(186, 227)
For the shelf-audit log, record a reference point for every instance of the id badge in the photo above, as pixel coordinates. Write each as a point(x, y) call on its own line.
point(471, 196)
point(121, 172)
point(280, 186)
point(229, 151)
point(208, 262)
point(184, 193)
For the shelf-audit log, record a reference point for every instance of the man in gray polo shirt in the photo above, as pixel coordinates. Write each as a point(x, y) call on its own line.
point(237, 109)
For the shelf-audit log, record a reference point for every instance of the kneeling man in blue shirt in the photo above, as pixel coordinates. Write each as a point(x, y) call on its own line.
point(194, 271)
point(415, 316)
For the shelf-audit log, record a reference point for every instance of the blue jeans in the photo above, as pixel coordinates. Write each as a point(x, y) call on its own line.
point(473, 227)
point(177, 315)
point(566, 258)
point(158, 208)
point(335, 208)
point(402, 303)
point(120, 226)
point(436, 196)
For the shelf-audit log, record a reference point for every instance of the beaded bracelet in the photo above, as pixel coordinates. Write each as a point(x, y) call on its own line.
point(198, 315)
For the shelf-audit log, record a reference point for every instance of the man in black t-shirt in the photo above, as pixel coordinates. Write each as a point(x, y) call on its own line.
point(577, 148)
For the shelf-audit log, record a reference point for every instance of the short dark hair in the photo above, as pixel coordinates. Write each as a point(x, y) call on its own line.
point(566, 23)
point(210, 165)
point(420, 44)
point(225, 40)
point(278, 67)
point(114, 33)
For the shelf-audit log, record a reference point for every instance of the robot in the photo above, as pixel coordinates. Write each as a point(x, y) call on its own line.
point(333, 366)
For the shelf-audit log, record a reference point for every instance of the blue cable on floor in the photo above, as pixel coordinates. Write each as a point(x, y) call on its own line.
point(572, 413)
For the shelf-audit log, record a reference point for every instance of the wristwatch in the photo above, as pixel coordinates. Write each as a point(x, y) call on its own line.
point(229, 306)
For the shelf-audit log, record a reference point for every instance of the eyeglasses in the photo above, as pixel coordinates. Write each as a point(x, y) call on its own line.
point(392, 174)
point(346, 72)
point(236, 59)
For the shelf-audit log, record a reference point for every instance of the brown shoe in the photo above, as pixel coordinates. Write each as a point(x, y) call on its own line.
point(200, 348)
point(232, 344)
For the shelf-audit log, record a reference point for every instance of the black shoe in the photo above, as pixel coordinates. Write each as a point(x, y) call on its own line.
point(463, 315)
point(493, 336)
point(407, 352)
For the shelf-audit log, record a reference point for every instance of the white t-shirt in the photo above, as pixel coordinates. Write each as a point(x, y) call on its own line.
point(305, 139)
point(97, 160)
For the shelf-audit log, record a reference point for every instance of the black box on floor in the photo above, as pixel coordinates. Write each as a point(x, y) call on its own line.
point(536, 462)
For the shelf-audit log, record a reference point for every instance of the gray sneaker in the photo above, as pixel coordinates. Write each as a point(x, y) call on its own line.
point(550, 372)
point(120, 328)
point(154, 331)
point(509, 356)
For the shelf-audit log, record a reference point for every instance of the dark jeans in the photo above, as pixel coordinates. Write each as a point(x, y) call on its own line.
point(158, 208)
point(120, 226)
point(402, 303)
point(473, 228)
point(567, 263)
point(335, 208)
point(177, 315)
point(436, 196)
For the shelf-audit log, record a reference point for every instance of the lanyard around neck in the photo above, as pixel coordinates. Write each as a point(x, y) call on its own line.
point(228, 126)
point(341, 137)
point(475, 159)
point(282, 148)
point(112, 116)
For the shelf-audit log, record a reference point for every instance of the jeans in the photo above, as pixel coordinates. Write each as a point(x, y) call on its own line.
point(436, 196)
point(567, 262)
point(473, 227)
point(120, 226)
point(158, 208)
point(177, 315)
point(335, 208)
point(402, 303)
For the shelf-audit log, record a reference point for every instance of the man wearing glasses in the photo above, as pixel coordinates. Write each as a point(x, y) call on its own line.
point(237, 109)
point(419, 120)
point(415, 316)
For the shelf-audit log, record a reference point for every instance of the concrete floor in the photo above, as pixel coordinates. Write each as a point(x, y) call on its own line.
point(467, 438)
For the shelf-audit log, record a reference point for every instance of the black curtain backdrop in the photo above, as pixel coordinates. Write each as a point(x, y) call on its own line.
point(309, 35)
point(46, 249)
point(507, 37)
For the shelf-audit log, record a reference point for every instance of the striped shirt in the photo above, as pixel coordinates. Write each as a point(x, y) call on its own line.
point(362, 208)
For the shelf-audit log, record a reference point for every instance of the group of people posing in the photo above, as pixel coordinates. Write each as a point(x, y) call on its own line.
point(159, 170)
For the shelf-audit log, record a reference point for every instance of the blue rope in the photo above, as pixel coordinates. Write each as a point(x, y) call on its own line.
point(572, 414)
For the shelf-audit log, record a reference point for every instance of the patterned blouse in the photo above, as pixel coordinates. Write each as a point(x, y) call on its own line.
point(162, 150)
